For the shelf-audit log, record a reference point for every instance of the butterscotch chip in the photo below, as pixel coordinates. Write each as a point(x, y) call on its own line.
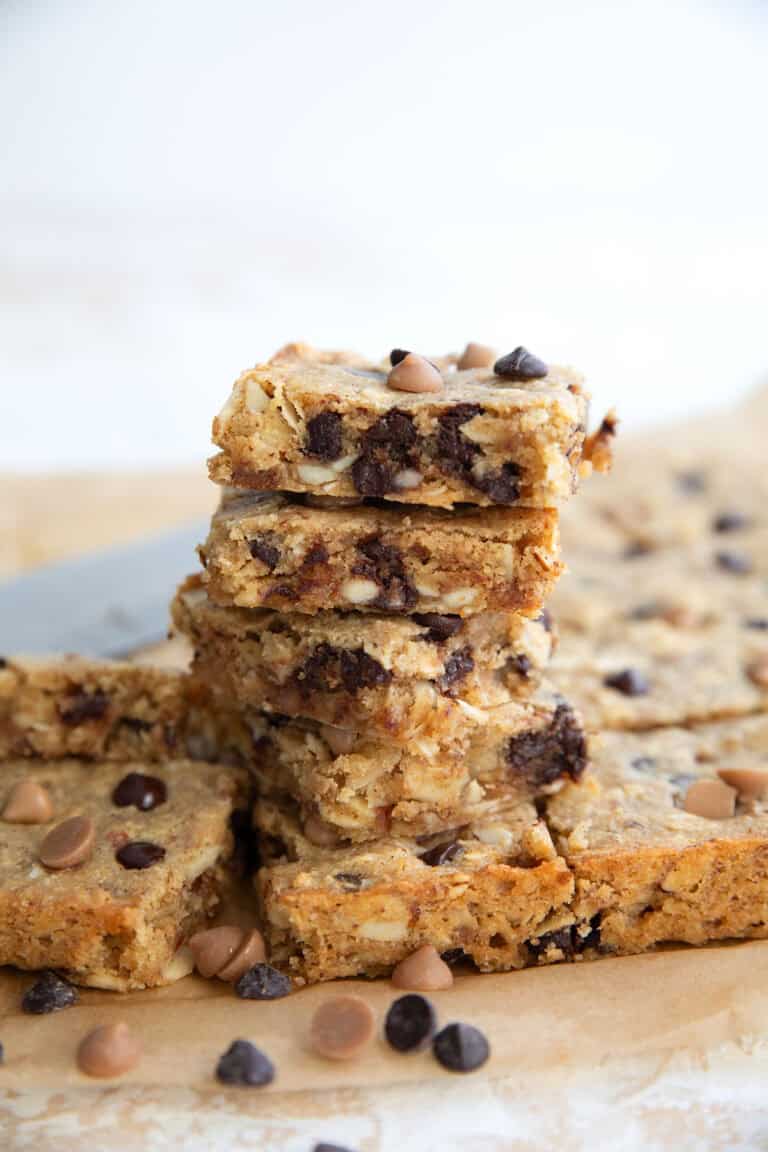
point(342, 1027)
point(109, 1051)
point(28, 803)
point(423, 971)
point(68, 844)
point(214, 948)
point(758, 672)
point(711, 799)
point(415, 374)
point(476, 356)
point(250, 951)
point(748, 782)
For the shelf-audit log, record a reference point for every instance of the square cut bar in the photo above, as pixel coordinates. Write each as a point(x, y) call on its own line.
point(105, 710)
point(105, 925)
point(274, 550)
point(388, 676)
point(338, 429)
point(616, 866)
point(354, 788)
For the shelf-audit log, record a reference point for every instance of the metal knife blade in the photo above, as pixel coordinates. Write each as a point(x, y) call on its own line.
point(109, 603)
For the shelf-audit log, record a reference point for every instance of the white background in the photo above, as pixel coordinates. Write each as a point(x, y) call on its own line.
point(186, 185)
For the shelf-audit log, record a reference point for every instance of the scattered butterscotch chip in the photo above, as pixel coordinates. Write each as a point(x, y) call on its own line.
point(758, 672)
point(68, 844)
point(423, 971)
point(108, 1051)
point(711, 799)
point(342, 1027)
point(250, 951)
point(415, 374)
point(28, 803)
point(748, 782)
point(214, 948)
point(476, 356)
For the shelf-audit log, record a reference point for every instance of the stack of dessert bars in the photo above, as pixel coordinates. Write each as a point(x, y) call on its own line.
point(372, 608)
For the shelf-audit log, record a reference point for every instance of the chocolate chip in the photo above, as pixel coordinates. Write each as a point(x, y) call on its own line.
point(520, 664)
point(244, 1063)
point(545, 619)
point(384, 565)
point(359, 670)
point(328, 669)
point(410, 1023)
point(387, 448)
point(629, 682)
point(730, 522)
point(692, 481)
point(396, 355)
point(139, 854)
point(324, 438)
point(317, 554)
point(82, 705)
point(454, 956)
point(456, 669)
point(502, 487)
point(439, 626)
point(3, 662)
point(263, 548)
point(736, 562)
point(539, 758)
point(520, 365)
point(370, 477)
point(643, 763)
point(48, 994)
point(263, 982)
point(442, 854)
point(758, 623)
point(562, 940)
point(456, 451)
point(140, 791)
point(461, 1048)
point(651, 610)
point(134, 724)
point(330, 1148)
point(351, 881)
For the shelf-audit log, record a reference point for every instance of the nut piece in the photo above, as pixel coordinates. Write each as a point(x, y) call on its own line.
point(476, 356)
point(108, 1051)
point(342, 1027)
point(315, 474)
point(423, 971)
point(711, 799)
point(68, 844)
point(251, 951)
point(748, 782)
point(407, 478)
point(415, 374)
point(28, 803)
point(214, 948)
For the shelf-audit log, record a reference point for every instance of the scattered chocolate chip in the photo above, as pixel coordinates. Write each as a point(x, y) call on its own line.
point(317, 554)
point(396, 355)
point(442, 854)
point(48, 994)
point(324, 436)
point(454, 956)
point(80, 706)
point(456, 669)
point(439, 626)
point(456, 451)
point(521, 664)
point(520, 365)
point(139, 854)
point(410, 1022)
point(140, 791)
point(359, 670)
point(757, 623)
point(351, 881)
point(562, 940)
point(263, 982)
point(329, 668)
point(244, 1063)
point(461, 1048)
point(731, 522)
point(539, 758)
point(383, 564)
point(503, 486)
point(3, 662)
point(545, 619)
point(387, 448)
point(629, 682)
point(263, 548)
point(736, 562)
point(691, 481)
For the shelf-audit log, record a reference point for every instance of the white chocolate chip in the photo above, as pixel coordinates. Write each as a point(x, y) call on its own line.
point(461, 598)
point(474, 792)
point(255, 397)
point(359, 591)
point(426, 590)
point(343, 463)
point(315, 474)
point(476, 714)
point(383, 930)
point(407, 478)
point(498, 835)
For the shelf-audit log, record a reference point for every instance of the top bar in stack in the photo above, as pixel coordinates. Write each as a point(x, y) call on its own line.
point(409, 431)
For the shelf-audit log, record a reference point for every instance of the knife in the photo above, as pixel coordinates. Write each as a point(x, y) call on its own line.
point(106, 604)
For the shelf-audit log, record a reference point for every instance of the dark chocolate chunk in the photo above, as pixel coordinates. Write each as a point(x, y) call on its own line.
point(324, 438)
point(456, 669)
point(563, 940)
point(135, 724)
point(48, 994)
point(139, 854)
point(454, 956)
point(370, 477)
point(520, 365)
point(387, 447)
point(442, 854)
point(439, 626)
point(758, 623)
point(410, 1023)
point(539, 758)
point(351, 881)
point(736, 562)
point(140, 791)
point(359, 670)
point(731, 522)
point(461, 1048)
point(692, 481)
point(456, 451)
point(396, 355)
point(521, 664)
point(3, 662)
point(383, 564)
point(244, 1063)
point(81, 706)
point(629, 682)
point(503, 486)
point(264, 548)
point(263, 982)
point(317, 554)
